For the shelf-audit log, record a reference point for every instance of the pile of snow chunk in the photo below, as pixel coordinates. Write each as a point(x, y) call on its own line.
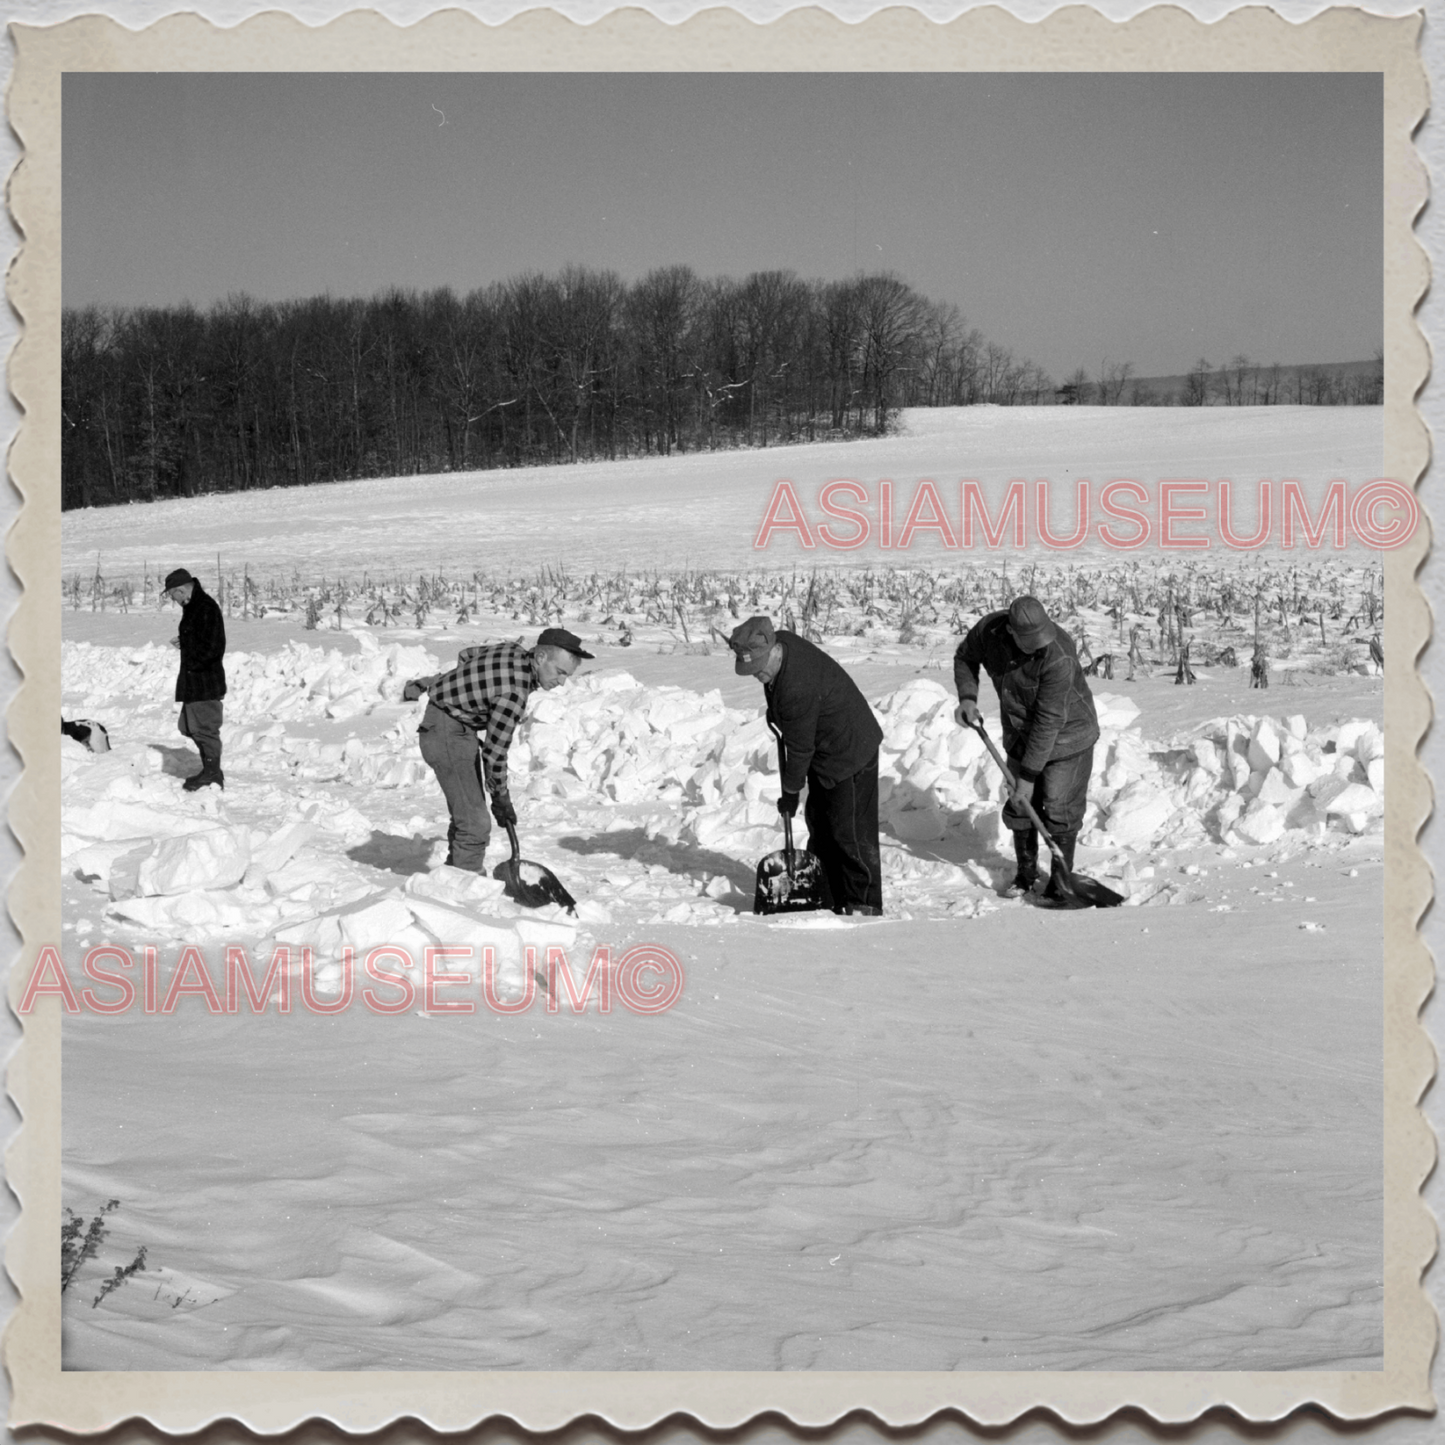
point(1247, 779)
point(936, 777)
point(1277, 777)
point(295, 681)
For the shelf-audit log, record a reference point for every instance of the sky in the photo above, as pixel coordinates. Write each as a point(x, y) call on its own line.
point(1076, 219)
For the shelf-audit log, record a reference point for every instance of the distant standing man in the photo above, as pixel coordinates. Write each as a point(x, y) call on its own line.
point(201, 685)
point(1049, 726)
point(481, 701)
point(827, 738)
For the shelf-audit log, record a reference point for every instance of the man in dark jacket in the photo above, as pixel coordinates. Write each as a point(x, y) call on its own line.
point(827, 738)
point(1049, 725)
point(202, 681)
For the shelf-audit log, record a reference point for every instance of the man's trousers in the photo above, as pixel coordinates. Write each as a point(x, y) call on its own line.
point(1060, 795)
point(451, 752)
point(842, 824)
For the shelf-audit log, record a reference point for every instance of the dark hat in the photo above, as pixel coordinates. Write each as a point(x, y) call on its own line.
point(178, 578)
point(751, 642)
point(1030, 623)
point(567, 641)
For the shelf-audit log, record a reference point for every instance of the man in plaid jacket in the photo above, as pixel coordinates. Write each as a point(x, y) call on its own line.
point(481, 701)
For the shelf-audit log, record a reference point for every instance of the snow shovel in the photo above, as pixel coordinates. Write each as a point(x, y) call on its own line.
point(1078, 890)
point(791, 880)
point(530, 884)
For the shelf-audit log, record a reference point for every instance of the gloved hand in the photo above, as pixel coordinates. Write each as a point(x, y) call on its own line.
point(966, 714)
point(1022, 792)
point(503, 811)
point(412, 690)
point(788, 805)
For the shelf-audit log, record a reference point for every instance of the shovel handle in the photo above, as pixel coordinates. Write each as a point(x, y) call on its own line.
point(512, 839)
point(777, 732)
point(1012, 782)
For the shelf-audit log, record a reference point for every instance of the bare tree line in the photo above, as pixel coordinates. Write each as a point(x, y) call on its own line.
point(1241, 382)
point(166, 402)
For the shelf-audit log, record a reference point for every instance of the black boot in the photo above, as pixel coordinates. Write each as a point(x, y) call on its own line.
point(210, 773)
point(1059, 889)
point(1026, 854)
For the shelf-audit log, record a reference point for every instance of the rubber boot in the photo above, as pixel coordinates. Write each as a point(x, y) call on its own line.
point(1026, 854)
point(1058, 890)
point(210, 773)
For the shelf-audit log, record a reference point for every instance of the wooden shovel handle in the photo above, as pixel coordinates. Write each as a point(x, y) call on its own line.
point(1009, 778)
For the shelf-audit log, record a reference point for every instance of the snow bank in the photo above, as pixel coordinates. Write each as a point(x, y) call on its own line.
point(295, 682)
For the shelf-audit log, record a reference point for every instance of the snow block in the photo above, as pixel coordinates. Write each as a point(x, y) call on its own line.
point(384, 920)
point(322, 934)
point(1115, 710)
point(1262, 823)
point(1356, 798)
point(1299, 769)
point(918, 825)
point(1370, 745)
point(95, 860)
point(1264, 746)
point(276, 851)
point(123, 877)
point(1137, 814)
point(446, 884)
point(1276, 790)
point(217, 858)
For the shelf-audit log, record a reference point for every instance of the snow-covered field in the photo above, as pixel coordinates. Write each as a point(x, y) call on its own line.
point(969, 1135)
point(704, 509)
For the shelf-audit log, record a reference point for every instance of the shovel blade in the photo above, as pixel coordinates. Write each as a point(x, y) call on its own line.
point(1096, 894)
point(532, 885)
point(1080, 891)
point(803, 889)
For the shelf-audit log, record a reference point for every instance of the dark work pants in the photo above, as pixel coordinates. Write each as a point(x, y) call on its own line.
point(451, 752)
point(843, 834)
point(1060, 794)
point(201, 722)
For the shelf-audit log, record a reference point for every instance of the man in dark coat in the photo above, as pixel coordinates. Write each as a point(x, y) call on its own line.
point(827, 738)
point(202, 681)
point(1049, 725)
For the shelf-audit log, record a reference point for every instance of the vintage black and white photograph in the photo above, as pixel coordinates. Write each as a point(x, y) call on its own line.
point(723, 722)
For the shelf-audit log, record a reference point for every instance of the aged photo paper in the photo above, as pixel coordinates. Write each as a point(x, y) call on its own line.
point(399, 1043)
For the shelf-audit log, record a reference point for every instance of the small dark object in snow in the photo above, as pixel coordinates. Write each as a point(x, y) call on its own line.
point(92, 734)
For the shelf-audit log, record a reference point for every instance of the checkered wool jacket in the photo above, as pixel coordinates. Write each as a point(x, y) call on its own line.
point(488, 690)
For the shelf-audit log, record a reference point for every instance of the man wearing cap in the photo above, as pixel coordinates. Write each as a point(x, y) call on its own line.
point(481, 700)
point(828, 738)
point(1049, 726)
point(201, 685)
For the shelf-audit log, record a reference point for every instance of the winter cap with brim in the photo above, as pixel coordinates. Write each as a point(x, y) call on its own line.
point(178, 578)
point(751, 642)
point(567, 641)
point(1030, 622)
